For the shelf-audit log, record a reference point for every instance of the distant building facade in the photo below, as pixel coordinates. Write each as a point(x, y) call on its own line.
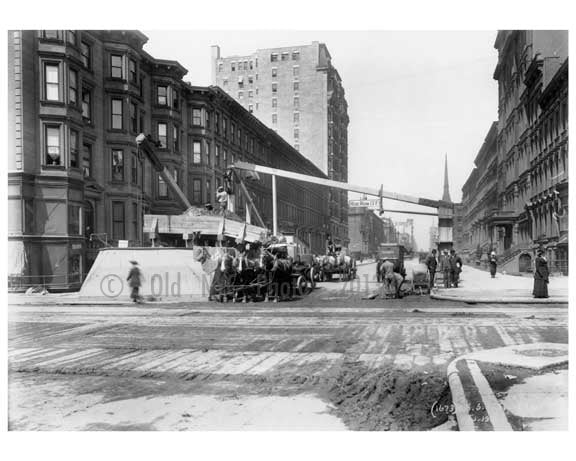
point(297, 92)
point(433, 237)
point(76, 182)
point(366, 232)
point(527, 208)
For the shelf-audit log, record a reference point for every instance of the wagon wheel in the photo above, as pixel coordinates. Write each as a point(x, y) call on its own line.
point(312, 277)
point(301, 285)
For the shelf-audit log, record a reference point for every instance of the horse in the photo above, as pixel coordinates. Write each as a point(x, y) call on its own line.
point(278, 275)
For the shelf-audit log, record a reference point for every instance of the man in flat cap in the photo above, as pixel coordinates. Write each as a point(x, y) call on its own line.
point(135, 281)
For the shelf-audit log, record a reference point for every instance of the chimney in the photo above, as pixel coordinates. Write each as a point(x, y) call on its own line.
point(215, 56)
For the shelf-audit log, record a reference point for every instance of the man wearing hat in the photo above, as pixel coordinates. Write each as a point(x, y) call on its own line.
point(135, 281)
point(493, 263)
point(222, 198)
point(446, 268)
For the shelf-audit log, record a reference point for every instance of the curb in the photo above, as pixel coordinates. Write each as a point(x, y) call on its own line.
point(499, 300)
point(470, 415)
point(475, 404)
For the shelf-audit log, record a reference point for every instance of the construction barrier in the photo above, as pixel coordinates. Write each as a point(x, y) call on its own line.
point(167, 273)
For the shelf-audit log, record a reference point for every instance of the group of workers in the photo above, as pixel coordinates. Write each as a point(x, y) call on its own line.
point(449, 263)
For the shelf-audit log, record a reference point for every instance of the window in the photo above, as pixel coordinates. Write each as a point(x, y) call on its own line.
point(225, 82)
point(162, 95)
point(87, 160)
point(86, 52)
point(141, 87)
point(117, 165)
point(51, 34)
point(71, 37)
point(162, 188)
point(232, 131)
point(116, 114)
point(296, 86)
point(251, 65)
point(296, 71)
point(142, 126)
point(52, 82)
point(250, 79)
point(217, 122)
point(296, 133)
point(296, 117)
point(233, 66)
point(162, 135)
point(284, 56)
point(274, 57)
point(224, 127)
point(274, 102)
point(135, 221)
point(217, 155)
point(274, 119)
point(208, 119)
point(118, 220)
point(73, 88)
point(116, 67)
point(175, 100)
point(74, 149)
point(225, 157)
point(86, 104)
point(208, 190)
point(29, 216)
point(296, 102)
point(133, 117)
point(274, 88)
point(250, 94)
point(134, 169)
point(220, 67)
point(197, 117)
point(74, 219)
point(52, 145)
point(240, 95)
point(274, 72)
point(250, 108)
point(208, 153)
point(239, 136)
point(196, 190)
point(196, 152)
point(176, 139)
point(295, 55)
point(132, 71)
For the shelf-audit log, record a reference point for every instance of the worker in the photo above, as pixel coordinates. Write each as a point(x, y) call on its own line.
point(445, 267)
point(222, 198)
point(432, 264)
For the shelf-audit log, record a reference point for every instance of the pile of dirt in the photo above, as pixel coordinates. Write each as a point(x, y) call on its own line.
point(390, 399)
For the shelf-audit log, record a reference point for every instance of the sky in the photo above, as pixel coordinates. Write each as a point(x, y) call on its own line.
point(413, 98)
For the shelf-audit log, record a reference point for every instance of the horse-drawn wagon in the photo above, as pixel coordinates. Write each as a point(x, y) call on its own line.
point(337, 263)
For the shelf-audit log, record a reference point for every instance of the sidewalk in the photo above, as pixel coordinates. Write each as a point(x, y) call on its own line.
point(513, 388)
point(476, 286)
point(74, 299)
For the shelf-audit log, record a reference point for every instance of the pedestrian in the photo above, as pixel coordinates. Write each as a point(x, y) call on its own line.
point(541, 274)
point(135, 280)
point(222, 198)
point(455, 268)
point(445, 268)
point(493, 262)
point(432, 264)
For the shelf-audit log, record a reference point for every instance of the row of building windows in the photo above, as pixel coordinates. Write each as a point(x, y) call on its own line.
point(284, 56)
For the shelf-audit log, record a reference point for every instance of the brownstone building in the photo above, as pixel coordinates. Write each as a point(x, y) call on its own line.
point(524, 184)
point(76, 182)
point(297, 92)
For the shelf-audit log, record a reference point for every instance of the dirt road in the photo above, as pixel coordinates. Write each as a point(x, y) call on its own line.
point(293, 365)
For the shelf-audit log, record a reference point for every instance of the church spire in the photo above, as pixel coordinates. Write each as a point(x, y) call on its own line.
point(446, 194)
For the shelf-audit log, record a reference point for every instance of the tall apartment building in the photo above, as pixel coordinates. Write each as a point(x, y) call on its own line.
point(527, 207)
point(297, 92)
point(76, 182)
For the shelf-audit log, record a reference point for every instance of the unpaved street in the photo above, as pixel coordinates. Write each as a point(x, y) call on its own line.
point(251, 366)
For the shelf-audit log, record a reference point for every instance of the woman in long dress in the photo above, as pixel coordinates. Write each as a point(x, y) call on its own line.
point(540, 276)
point(493, 263)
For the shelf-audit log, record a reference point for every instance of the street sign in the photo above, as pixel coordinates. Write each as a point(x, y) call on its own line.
point(372, 204)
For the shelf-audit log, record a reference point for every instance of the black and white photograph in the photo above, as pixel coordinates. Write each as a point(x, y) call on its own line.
point(287, 229)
